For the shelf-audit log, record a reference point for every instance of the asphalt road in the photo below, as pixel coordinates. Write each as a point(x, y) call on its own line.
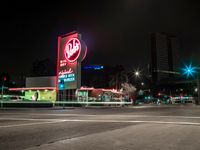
point(140, 128)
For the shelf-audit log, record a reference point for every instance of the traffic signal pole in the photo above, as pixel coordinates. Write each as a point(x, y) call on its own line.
point(2, 87)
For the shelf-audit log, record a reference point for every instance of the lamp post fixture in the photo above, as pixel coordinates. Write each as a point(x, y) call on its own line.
point(137, 73)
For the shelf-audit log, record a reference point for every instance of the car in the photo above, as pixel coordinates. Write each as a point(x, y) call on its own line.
point(12, 97)
point(182, 100)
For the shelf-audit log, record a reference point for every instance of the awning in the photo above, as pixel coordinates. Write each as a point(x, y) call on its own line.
point(32, 88)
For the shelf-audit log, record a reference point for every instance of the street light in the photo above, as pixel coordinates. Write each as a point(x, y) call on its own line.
point(190, 71)
point(137, 73)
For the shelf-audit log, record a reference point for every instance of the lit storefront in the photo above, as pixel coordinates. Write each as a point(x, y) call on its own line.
point(98, 95)
point(39, 88)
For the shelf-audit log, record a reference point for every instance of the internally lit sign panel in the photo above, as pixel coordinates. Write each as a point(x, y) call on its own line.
point(71, 51)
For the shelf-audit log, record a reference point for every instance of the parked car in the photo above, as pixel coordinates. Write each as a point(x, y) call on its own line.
point(182, 100)
point(12, 97)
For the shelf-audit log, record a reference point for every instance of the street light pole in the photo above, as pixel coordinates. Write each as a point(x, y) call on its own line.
point(189, 71)
point(198, 85)
point(198, 90)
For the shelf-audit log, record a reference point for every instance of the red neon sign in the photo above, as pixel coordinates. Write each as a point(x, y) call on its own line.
point(63, 72)
point(72, 49)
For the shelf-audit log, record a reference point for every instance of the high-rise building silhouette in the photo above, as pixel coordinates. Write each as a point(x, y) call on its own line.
point(164, 57)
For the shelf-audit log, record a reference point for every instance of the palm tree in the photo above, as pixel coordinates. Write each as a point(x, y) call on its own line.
point(118, 78)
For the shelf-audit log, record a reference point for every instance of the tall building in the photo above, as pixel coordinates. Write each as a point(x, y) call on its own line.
point(164, 57)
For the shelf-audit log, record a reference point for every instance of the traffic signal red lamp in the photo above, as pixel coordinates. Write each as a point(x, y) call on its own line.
point(4, 78)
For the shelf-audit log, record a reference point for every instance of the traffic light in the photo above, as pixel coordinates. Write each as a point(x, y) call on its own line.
point(4, 78)
point(62, 84)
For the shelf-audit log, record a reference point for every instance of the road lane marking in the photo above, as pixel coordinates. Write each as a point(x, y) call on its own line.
point(99, 121)
point(132, 121)
point(30, 119)
point(128, 115)
point(107, 115)
point(30, 124)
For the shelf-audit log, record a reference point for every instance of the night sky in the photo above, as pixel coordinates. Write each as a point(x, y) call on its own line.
point(116, 32)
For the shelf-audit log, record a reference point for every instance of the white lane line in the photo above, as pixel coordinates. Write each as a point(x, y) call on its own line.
point(128, 115)
point(136, 116)
point(107, 115)
point(30, 124)
point(145, 107)
point(102, 121)
point(133, 121)
point(30, 119)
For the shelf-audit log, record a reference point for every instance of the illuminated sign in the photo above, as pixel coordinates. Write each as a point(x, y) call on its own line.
point(72, 49)
point(93, 67)
point(67, 78)
point(63, 72)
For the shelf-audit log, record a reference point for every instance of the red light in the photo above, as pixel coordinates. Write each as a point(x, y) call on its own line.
point(72, 49)
point(4, 78)
point(159, 94)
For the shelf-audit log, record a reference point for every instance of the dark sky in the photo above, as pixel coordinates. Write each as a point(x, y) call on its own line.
point(116, 32)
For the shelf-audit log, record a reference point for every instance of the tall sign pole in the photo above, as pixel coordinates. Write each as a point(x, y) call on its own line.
point(71, 51)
